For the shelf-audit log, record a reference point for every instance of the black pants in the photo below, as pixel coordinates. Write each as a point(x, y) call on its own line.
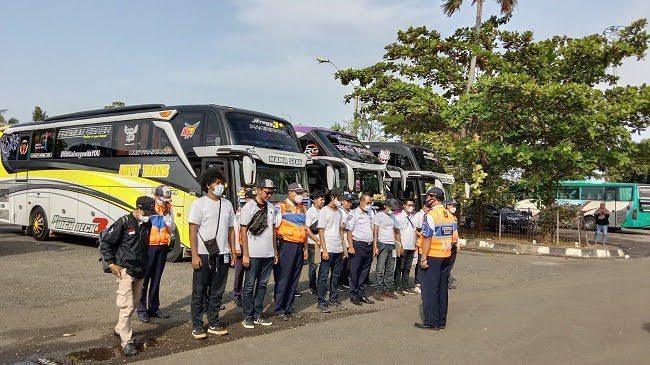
point(360, 264)
point(435, 293)
point(313, 267)
point(452, 261)
point(403, 269)
point(210, 278)
point(150, 298)
point(287, 275)
point(333, 266)
point(255, 282)
point(344, 278)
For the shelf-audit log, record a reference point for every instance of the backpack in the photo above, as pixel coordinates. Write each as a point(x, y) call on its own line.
point(259, 222)
point(102, 238)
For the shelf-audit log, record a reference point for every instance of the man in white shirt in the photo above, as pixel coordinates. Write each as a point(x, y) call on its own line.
point(239, 268)
point(406, 222)
point(418, 220)
point(332, 244)
point(212, 240)
point(259, 252)
point(359, 232)
point(386, 239)
point(313, 249)
point(346, 206)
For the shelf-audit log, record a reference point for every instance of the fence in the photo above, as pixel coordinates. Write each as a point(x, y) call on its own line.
point(554, 227)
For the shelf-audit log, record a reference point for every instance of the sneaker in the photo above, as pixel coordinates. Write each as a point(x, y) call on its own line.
point(129, 349)
point(378, 296)
point(144, 317)
point(340, 288)
point(282, 317)
point(217, 330)
point(417, 289)
point(345, 286)
point(297, 294)
point(338, 306)
point(409, 291)
point(295, 315)
point(199, 333)
point(160, 314)
point(390, 294)
point(263, 322)
point(248, 323)
point(323, 308)
point(400, 292)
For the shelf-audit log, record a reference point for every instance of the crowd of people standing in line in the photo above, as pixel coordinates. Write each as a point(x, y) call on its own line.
point(259, 239)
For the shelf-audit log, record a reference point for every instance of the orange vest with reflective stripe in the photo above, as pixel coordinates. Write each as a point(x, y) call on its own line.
point(292, 227)
point(441, 235)
point(160, 234)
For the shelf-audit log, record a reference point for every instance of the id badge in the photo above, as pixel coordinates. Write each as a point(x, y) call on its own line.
point(394, 253)
point(226, 258)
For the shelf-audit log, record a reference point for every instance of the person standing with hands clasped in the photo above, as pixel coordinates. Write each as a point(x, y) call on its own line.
point(124, 249)
point(313, 254)
point(602, 223)
point(438, 230)
point(331, 239)
point(259, 252)
point(212, 241)
point(405, 219)
point(359, 231)
point(386, 240)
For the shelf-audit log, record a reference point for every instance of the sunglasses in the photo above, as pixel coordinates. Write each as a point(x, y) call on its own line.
point(269, 192)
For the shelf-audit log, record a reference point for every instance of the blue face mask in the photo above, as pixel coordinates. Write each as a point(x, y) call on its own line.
point(218, 190)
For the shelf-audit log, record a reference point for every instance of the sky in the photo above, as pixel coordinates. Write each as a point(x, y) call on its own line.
point(68, 56)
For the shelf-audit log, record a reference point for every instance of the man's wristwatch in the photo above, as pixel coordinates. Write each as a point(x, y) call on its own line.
point(423, 260)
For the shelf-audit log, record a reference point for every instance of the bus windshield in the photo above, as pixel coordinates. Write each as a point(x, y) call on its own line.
point(256, 131)
point(368, 181)
point(281, 177)
point(427, 160)
point(350, 147)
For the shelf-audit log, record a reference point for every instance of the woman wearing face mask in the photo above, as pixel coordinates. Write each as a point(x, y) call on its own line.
point(452, 207)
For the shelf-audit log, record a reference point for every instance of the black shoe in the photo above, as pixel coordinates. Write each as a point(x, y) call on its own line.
point(218, 330)
point(282, 317)
point(160, 314)
point(199, 333)
point(144, 317)
point(116, 334)
point(425, 327)
point(297, 294)
point(129, 349)
point(367, 300)
point(323, 308)
point(442, 327)
point(355, 301)
point(340, 288)
point(295, 315)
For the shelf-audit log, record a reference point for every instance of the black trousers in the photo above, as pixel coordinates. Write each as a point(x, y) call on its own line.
point(210, 278)
point(435, 293)
point(403, 269)
point(360, 264)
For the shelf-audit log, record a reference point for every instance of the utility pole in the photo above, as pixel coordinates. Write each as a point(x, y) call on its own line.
point(477, 30)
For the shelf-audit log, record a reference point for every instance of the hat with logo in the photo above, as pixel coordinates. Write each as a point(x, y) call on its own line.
point(147, 204)
point(164, 193)
point(266, 184)
point(436, 192)
point(297, 188)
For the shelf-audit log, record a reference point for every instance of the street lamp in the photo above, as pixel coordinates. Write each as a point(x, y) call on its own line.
point(356, 88)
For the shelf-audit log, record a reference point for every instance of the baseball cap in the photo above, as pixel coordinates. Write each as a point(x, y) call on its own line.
point(450, 202)
point(266, 184)
point(164, 193)
point(436, 192)
point(147, 204)
point(336, 192)
point(349, 196)
point(249, 194)
point(391, 203)
point(297, 188)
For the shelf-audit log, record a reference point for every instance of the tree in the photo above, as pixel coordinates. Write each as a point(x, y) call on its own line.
point(115, 104)
point(364, 128)
point(38, 114)
point(452, 6)
point(535, 116)
point(638, 170)
point(4, 121)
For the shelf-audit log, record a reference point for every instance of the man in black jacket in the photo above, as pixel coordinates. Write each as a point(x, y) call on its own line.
point(124, 249)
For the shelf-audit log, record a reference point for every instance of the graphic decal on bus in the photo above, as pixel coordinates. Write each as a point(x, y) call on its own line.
point(9, 144)
point(71, 224)
point(130, 133)
point(189, 130)
point(23, 149)
point(311, 149)
point(148, 170)
point(43, 144)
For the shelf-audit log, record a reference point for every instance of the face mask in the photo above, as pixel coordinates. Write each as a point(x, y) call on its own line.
point(409, 209)
point(144, 218)
point(367, 208)
point(452, 210)
point(389, 212)
point(218, 190)
point(298, 199)
point(337, 203)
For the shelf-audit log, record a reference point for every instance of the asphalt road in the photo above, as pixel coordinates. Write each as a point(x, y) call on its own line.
point(512, 309)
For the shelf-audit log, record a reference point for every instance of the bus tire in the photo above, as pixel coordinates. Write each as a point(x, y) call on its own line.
point(38, 226)
point(590, 223)
point(176, 254)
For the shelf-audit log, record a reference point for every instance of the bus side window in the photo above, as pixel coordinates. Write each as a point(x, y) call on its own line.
point(624, 194)
point(213, 131)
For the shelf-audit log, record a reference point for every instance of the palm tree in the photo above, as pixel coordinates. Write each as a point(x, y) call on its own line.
point(451, 6)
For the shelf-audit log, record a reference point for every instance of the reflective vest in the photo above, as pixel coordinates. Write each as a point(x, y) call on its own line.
point(441, 233)
point(292, 227)
point(160, 234)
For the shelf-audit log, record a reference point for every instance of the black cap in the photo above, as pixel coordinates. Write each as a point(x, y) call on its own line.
point(147, 204)
point(249, 194)
point(349, 197)
point(336, 192)
point(436, 192)
point(164, 193)
point(450, 202)
point(391, 203)
point(266, 184)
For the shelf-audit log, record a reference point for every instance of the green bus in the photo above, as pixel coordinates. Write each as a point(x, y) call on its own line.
point(629, 203)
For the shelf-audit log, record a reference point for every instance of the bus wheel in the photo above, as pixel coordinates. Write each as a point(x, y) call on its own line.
point(38, 225)
point(590, 223)
point(176, 254)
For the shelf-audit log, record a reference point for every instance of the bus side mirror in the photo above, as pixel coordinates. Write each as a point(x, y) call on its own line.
point(249, 169)
point(331, 177)
point(403, 180)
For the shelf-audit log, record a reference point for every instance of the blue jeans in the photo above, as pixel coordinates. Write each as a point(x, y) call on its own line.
point(601, 228)
point(255, 281)
point(334, 264)
point(385, 267)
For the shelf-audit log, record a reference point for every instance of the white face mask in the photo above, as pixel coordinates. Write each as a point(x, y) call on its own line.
point(337, 203)
point(409, 209)
point(144, 218)
point(297, 199)
point(452, 210)
point(218, 189)
point(367, 208)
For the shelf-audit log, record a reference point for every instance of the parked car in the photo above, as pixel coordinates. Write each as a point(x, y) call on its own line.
point(511, 219)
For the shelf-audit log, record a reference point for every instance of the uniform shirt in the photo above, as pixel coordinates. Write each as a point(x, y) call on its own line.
point(360, 223)
point(406, 230)
point(330, 221)
point(418, 219)
point(441, 234)
point(344, 220)
point(387, 225)
point(209, 214)
point(311, 218)
point(259, 246)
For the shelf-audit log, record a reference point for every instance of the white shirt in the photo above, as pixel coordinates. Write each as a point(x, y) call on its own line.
point(237, 243)
point(406, 230)
point(418, 219)
point(387, 224)
point(311, 218)
point(344, 220)
point(259, 246)
point(360, 223)
point(330, 221)
point(204, 212)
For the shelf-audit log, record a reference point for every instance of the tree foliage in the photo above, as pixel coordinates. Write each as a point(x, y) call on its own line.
point(115, 104)
point(39, 114)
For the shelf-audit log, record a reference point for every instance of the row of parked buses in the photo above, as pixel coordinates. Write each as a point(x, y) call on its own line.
point(77, 173)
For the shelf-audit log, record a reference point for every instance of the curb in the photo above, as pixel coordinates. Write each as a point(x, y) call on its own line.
point(517, 248)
